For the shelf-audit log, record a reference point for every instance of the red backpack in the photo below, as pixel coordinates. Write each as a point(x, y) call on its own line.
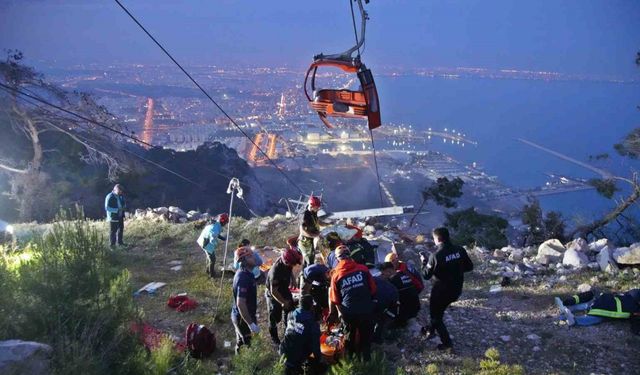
point(201, 342)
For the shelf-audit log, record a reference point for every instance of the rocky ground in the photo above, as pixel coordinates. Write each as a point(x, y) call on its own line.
point(518, 318)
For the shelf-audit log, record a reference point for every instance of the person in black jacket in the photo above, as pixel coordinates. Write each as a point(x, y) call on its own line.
point(447, 266)
point(301, 339)
point(115, 206)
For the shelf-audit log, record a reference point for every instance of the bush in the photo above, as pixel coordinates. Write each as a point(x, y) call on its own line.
point(378, 365)
point(69, 293)
point(258, 359)
point(491, 365)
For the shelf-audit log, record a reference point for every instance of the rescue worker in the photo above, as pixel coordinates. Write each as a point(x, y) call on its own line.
point(277, 293)
point(257, 272)
point(408, 296)
point(386, 301)
point(316, 278)
point(400, 266)
point(301, 340)
point(208, 241)
point(447, 266)
point(309, 232)
point(243, 310)
point(115, 206)
point(600, 308)
point(351, 293)
point(333, 241)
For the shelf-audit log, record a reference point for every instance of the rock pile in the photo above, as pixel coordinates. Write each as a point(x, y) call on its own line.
point(169, 214)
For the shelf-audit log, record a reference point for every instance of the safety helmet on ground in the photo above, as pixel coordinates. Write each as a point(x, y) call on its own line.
point(291, 257)
point(223, 218)
point(315, 202)
point(241, 253)
point(343, 252)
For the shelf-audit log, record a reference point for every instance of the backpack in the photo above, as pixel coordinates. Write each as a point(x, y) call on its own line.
point(201, 342)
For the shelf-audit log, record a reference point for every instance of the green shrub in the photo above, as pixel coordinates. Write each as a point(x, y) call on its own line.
point(259, 359)
point(378, 365)
point(491, 365)
point(69, 294)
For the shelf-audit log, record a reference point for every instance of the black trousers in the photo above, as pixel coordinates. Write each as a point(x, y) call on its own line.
point(276, 314)
point(441, 298)
point(358, 335)
point(211, 264)
point(117, 232)
point(243, 332)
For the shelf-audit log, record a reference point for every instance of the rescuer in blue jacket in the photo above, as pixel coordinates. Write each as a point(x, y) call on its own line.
point(208, 241)
point(115, 206)
point(301, 339)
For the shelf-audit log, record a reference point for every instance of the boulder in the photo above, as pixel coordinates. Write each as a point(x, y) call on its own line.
point(553, 248)
point(598, 245)
point(605, 261)
point(575, 258)
point(24, 357)
point(369, 229)
point(628, 255)
point(517, 255)
point(194, 215)
point(161, 210)
point(176, 210)
point(579, 244)
point(583, 288)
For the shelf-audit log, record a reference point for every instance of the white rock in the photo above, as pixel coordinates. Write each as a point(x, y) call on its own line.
point(533, 336)
point(176, 210)
point(552, 248)
point(593, 266)
point(505, 338)
point(369, 229)
point(606, 261)
point(628, 255)
point(495, 289)
point(517, 255)
point(598, 245)
point(24, 357)
point(579, 244)
point(536, 349)
point(575, 258)
point(582, 288)
point(161, 210)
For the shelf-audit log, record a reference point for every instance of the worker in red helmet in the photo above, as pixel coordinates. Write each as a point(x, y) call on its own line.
point(208, 240)
point(309, 233)
point(277, 293)
point(243, 311)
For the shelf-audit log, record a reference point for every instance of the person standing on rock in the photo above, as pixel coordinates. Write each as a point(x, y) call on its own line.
point(208, 241)
point(352, 293)
point(243, 311)
point(277, 293)
point(447, 266)
point(115, 206)
point(309, 233)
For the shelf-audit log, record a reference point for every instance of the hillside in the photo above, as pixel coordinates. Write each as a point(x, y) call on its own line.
point(519, 320)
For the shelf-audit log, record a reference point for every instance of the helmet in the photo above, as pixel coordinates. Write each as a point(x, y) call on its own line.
point(343, 252)
point(391, 257)
point(315, 201)
point(241, 253)
point(223, 218)
point(292, 242)
point(291, 257)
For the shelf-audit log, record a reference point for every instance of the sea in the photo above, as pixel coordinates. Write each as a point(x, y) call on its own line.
point(576, 118)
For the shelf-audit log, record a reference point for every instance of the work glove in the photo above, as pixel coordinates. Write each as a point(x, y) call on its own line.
point(254, 328)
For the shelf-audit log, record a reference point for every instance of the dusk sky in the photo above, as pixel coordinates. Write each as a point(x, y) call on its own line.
point(584, 37)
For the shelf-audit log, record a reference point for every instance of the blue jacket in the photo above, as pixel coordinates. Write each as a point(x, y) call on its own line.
point(301, 338)
point(209, 236)
point(114, 205)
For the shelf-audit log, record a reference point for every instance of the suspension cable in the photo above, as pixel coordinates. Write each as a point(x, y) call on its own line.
point(375, 160)
point(13, 91)
point(208, 96)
